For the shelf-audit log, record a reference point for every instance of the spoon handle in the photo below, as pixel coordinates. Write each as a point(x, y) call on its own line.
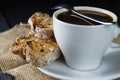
point(88, 18)
point(83, 19)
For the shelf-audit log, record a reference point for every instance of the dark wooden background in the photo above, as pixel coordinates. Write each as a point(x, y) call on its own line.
point(13, 12)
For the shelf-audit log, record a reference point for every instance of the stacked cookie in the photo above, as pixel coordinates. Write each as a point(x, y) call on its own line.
point(39, 45)
point(41, 25)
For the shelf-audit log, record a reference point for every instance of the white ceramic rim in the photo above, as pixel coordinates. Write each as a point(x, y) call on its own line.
point(113, 15)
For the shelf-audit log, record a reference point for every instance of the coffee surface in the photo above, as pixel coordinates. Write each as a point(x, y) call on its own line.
point(69, 17)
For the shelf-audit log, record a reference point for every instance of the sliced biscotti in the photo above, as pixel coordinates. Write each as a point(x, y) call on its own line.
point(41, 52)
point(41, 25)
point(20, 42)
point(38, 51)
point(39, 46)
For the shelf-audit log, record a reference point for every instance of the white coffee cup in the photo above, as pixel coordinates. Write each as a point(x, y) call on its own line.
point(84, 46)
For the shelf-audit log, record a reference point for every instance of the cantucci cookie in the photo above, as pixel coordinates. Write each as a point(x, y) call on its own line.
point(41, 52)
point(38, 51)
point(19, 44)
point(41, 25)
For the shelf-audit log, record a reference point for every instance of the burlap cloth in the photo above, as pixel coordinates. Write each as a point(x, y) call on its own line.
point(16, 65)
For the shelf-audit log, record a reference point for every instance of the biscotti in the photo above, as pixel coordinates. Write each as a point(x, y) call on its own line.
point(41, 25)
point(41, 52)
point(20, 42)
point(38, 51)
point(38, 46)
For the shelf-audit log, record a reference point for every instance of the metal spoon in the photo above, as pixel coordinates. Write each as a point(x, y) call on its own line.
point(84, 17)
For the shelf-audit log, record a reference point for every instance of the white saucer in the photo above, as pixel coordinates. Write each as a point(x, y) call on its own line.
point(109, 69)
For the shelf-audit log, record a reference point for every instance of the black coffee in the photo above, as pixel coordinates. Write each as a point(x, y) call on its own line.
point(71, 18)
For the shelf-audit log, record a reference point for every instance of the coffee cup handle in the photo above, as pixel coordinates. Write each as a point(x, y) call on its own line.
point(114, 46)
